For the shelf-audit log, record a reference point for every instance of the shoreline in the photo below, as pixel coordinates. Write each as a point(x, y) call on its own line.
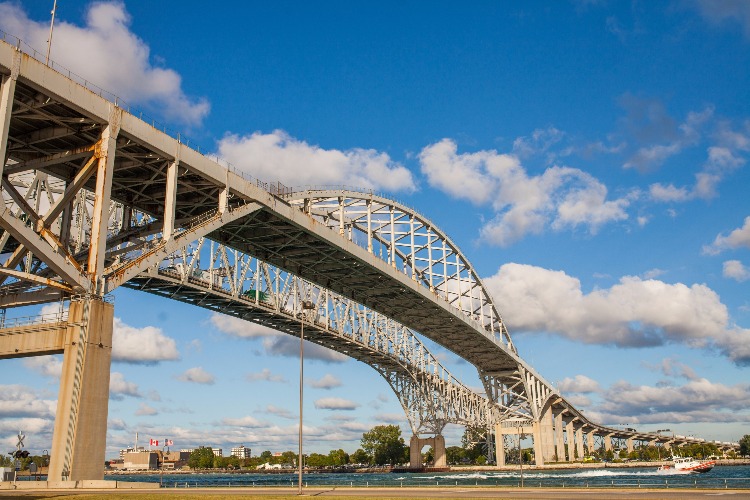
point(448, 469)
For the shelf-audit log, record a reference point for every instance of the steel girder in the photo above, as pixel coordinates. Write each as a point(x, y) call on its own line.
point(414, 246)
point(239, 285)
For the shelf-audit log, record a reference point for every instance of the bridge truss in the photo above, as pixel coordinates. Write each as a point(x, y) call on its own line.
point(95, 199)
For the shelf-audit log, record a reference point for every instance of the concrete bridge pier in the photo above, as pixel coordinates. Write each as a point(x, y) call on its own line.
point(547, 438)
point(438, 448)
point(579, 442)
point(570, 438)
point(629, 443)
point(590, 441)
point(559, 438)
point(80, 434)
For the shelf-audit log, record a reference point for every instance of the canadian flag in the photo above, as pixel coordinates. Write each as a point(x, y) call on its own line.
point(168, 442)
point(153, 442)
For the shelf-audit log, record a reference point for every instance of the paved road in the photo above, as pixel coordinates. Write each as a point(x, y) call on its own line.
point(442, 493)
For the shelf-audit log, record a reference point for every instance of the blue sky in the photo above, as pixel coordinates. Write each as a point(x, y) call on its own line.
point(589, 157)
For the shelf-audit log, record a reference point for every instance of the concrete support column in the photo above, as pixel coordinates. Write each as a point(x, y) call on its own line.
point(607, 442)
point(499, 446)
point(630, 444)
point(7, 91)
point(79, 439)
point(415, 452)
point(548, 435)
point(590, 441)
point(538, 445)
point(579, 443)
point(559, 438)
point(438, 449)
point(570, 439)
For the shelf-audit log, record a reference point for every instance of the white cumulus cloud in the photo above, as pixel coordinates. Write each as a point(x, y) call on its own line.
point(738, 238)
point(274, 343)
point(17, 401)
point(264, 375)
point(141, 345)
point(698, 400)
point(197, 375)
point(280, 157)
point(634, 312)
point(119, 387)
point(49, 366)
point(104, 51)
point(578, 384)
point(734, 269)
point(145, 410)
point(559, 198)
point(336, 404)
point(328, 381)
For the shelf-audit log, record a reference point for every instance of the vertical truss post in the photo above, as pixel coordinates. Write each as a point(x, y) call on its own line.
point(429, 258)
point(103, 193)
point(7, 91)
point(392, 249)
point(170, 200)
point(411, 245)
point(341, 216)
point(369, 226)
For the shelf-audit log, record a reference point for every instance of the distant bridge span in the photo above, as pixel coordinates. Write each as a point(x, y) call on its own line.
point(96, 198)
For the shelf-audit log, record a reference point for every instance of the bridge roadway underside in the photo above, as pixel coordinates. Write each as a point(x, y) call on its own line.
point(48, 134)
point(215, 301)
point(365, 279)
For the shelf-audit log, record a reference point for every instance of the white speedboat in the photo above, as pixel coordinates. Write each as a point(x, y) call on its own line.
point(689, 464)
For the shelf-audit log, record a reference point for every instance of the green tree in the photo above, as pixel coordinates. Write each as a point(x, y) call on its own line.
point(338, 457)
point(288, 458)
point(360, 457)
point(201, 458)
point(745, 445)
point(317, 460)
point(266, 456)
point(385, 444)
point(454, 455)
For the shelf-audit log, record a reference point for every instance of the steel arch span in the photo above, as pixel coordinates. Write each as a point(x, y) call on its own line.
point(417, 248)
point(241, 286)
point(95, 197)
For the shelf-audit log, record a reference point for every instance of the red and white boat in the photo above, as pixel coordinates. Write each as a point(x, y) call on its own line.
point(689, 464)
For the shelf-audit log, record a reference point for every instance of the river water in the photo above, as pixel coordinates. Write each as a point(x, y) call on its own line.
point(650, 477)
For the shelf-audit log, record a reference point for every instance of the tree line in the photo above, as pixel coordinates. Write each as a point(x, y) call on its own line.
point(382, 445)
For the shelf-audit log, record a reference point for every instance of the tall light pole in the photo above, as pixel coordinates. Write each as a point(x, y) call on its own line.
point(520, 453)
point(306, 304)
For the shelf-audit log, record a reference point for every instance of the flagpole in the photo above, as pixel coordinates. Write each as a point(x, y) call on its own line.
point(51, 26)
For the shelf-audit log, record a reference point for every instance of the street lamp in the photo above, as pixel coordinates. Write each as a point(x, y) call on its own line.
point(306, 304)
point(520, 453)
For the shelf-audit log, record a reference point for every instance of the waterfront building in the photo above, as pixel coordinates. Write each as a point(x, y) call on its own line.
point(218, 452)
point(141, 460)
point(241, 452)
point(131, 449)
